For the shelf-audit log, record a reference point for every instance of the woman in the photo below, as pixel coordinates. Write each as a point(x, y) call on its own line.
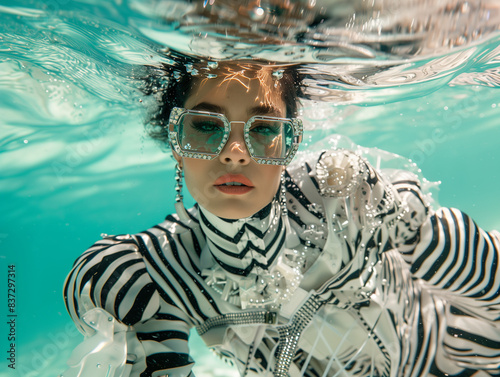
point(327, 267)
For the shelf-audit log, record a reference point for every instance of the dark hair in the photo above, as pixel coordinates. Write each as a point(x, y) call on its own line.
point(172, 84)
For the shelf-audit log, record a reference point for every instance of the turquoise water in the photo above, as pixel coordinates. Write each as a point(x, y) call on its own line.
point(75, 161)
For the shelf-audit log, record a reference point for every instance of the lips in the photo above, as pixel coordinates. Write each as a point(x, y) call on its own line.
point(233, 184)
point(233, 178)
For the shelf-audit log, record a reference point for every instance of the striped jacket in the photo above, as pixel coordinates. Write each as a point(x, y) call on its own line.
point(415, 293)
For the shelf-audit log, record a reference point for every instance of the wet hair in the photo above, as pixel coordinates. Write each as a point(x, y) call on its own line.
point(172, 84)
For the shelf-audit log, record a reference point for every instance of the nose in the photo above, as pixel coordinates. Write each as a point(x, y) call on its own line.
point(235, 151)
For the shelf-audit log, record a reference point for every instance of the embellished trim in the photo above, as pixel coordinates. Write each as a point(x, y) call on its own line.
point(232, 319)
point(289, 335)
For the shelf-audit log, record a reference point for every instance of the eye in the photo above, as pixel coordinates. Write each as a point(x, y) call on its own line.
point(266, 128)
point(206, 126)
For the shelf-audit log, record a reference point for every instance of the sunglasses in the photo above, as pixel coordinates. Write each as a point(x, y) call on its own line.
point(203, 134)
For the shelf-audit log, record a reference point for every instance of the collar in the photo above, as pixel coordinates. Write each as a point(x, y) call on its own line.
point(242, 246)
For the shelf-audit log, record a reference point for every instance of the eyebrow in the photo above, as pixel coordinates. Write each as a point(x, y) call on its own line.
point(265, 110)
point(205, 106)
point(256, 110)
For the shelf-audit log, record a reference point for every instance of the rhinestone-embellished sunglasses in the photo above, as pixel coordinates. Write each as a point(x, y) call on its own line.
point(203, 134)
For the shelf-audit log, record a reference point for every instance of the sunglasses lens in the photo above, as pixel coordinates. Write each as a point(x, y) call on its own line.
point(270, 138)
point(200, 133)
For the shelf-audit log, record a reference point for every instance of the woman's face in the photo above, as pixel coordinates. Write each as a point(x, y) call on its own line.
point(238, 98)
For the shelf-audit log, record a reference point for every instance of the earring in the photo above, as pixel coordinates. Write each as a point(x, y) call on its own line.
point(284, 210)
point(292, 239)
point(179, 205)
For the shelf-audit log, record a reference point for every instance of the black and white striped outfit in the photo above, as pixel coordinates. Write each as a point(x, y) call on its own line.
point(416, 291)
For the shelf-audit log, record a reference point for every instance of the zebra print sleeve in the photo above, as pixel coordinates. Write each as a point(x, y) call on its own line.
point(112, 275)
point(448, 250)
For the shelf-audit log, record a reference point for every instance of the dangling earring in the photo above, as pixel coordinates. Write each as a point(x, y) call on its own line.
point(284, 210)
point(179, 205)
point(292, 239)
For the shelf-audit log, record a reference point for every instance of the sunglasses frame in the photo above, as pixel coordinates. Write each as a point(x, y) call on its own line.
point(178, 112)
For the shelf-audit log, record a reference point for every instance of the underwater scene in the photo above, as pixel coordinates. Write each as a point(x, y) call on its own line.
point(416, 78)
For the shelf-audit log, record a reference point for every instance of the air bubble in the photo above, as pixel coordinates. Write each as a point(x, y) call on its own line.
point(257, 14)
point(212, 65)
point(278, 75)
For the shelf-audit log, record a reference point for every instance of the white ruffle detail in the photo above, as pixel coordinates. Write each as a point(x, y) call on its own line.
point(103, 353)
